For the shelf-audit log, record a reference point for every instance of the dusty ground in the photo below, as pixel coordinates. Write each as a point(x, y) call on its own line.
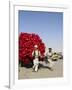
point(27, 73)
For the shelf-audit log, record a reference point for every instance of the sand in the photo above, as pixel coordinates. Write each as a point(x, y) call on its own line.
point(27, 73)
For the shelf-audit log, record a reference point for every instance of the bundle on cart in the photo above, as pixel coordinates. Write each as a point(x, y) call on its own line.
point(27, 42)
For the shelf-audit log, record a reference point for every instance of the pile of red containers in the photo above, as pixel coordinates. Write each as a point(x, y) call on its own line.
point(26, 46)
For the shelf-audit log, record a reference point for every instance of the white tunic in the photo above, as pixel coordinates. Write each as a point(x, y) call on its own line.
point(51, 63)
point(37, 54)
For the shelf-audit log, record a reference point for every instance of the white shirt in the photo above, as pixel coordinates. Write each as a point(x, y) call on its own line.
point(48, 54)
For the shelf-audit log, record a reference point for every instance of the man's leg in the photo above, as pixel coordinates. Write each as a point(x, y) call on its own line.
point(36, 67)
point(33, 65)
point(50, 64)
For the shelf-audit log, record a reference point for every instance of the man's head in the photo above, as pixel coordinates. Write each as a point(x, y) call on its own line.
point(36, 47)
point(50, 49)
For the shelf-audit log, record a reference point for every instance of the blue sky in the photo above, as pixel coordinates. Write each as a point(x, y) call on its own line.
point(48, 25)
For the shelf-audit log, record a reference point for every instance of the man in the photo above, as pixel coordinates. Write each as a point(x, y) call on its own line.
point(36, 54)
point(49, 58)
